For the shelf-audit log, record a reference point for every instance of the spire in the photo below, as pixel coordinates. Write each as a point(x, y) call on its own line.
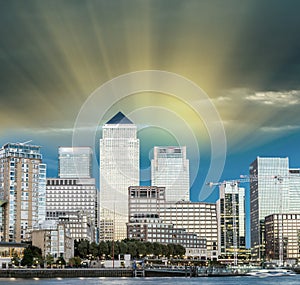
point(119, 118)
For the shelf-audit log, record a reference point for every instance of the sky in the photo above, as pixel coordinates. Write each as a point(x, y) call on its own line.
point(62, 61)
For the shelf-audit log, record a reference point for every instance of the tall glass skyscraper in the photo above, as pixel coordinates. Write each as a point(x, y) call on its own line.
point(119, 169)
point(170, 169)
point(269, 194)
point(22, 190)
point(75, 162)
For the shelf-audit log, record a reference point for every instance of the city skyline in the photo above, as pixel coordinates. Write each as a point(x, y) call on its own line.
point(55, 55)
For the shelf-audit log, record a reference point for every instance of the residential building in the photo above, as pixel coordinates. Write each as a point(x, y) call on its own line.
point(231, 219)
point(66, 196)
point(75, 162)
point(274, 188)
point(170, 168)
point(22, 190)
point(282, 238)
point(53, 238)
point(195, 217)
point(119, 168)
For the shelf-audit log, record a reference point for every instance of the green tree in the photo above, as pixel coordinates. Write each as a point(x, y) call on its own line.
point(83, 248)
point(123, 247)
point(94, 249)
point(75, 261)
point(141, 248)
point(149, 248)
point(103, 248)
point(49, 259)
point(32, 256)
point(157, 250)
point(132, 249)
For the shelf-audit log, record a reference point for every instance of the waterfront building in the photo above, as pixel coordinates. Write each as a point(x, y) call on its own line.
point(74, 162)
point(68, 196)
point(231, 219)
point(170, 168)
point(195, 217)
point(282, 237)
point(148, 227)
point(119, 168)
point(22, 190)
point(53, 238)
point(274, 188)
point(8, 250)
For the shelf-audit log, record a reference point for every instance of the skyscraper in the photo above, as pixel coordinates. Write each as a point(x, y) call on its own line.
point(269, 194)
point(22, 189)
point(75, 162)
point(231, 218)
point(119, 169)
point(170, 169)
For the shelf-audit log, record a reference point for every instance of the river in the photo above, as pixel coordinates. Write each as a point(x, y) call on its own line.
point(244, 280)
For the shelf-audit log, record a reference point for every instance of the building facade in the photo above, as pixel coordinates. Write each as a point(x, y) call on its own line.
point(74, 162)
point(68, 196)
point(282, 238)
point(231, 219)
point(196, 218)
point(53, 238)
point(150, 228)
point(170, 168)
point(119, 168)
point(274, 188)
point(22, 190)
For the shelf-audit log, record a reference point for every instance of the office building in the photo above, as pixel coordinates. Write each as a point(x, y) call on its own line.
point(22, 190)
point(119, 168)
point(231, 220)
point(75, 162)
point(269, 194)
point(282, 238)
point(170, 168)
point(66, 196)
point(196, 218)
point(150, 228)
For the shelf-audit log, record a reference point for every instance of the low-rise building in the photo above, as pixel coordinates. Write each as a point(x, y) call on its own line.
point(53, 238)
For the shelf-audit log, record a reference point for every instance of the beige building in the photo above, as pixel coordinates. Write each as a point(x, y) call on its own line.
point(195, 218)
point(53, 238)
point(22, 190)
point(282, 232)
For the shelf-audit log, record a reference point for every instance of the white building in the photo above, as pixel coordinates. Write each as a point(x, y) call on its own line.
point(170, 169)
point(75, 162)
point(66, 196)
point(119, 168)
point(22, 190)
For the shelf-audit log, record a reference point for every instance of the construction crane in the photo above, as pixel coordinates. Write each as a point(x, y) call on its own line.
point(247, 179)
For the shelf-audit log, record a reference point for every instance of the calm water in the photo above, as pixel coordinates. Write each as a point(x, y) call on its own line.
point(290, 280)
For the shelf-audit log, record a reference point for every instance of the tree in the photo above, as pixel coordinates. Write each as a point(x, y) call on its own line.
point(94, 249)
point(49, 259)
point(75, 261)
point(123, 247)
point(32, 256)
point(15, 259)
point(83, 248)
point(103, 248)
point(141, 248)
point(157, 249)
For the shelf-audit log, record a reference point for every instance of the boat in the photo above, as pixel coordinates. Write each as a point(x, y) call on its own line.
point(271, 272)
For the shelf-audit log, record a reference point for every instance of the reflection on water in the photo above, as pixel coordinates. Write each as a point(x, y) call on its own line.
point(245, 280)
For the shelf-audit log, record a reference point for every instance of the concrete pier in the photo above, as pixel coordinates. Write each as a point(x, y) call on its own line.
point(65, 273)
